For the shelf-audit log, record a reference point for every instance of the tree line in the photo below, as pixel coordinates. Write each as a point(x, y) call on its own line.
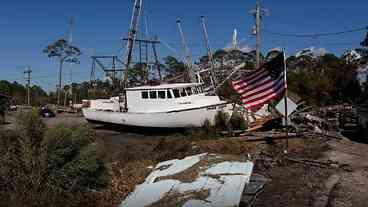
point(320, 80)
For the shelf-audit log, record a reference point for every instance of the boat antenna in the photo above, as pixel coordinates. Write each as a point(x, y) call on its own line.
point(187, 55)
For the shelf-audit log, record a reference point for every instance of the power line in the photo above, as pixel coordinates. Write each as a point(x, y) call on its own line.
point(316, 34)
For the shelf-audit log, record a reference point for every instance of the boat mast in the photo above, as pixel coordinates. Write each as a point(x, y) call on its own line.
point(158, 67)
point(131, 39)
point(187, 56)
point(210, 54)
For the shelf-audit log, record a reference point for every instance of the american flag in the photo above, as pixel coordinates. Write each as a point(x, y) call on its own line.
point(262, 85)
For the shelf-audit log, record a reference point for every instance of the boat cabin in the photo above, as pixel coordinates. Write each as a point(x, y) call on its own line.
point(161, 98)
point(165, 97)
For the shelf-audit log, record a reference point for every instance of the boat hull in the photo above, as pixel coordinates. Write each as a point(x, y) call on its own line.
point(187, 118)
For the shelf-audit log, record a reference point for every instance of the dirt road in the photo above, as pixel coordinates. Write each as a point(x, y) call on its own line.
point(352, 187)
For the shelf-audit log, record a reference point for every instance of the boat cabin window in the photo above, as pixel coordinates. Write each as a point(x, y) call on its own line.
point(153, 94)
point(176, 93)
point(161, 94)
point(189, 91)
point(182, 92)
point(144, 94)
point(169, 94)
point(195, 91)
point(200, 89)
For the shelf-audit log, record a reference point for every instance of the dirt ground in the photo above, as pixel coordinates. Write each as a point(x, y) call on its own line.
point(343, 182)
point(352, 187)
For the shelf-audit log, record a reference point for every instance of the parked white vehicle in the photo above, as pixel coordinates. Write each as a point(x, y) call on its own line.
point(167, 106)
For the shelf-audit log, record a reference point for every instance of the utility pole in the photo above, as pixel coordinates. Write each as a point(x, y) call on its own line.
point(258, 13)
point(27, 73)
point(70, 39)
point(258, 35)
point(187, 56)
point(71, 83)
point(59, 88)
point(210, 55)
point(256, 30)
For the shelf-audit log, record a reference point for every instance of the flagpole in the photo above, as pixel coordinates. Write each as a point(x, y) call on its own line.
point(286, 105)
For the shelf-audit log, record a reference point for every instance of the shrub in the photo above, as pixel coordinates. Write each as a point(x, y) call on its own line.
point(4, 104)
point(208, 128)
point(238, 122)
point(221, 120)
point(52, 167)
point(73, 158)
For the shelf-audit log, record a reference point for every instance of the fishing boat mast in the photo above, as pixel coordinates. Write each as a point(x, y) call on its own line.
point(132, 35)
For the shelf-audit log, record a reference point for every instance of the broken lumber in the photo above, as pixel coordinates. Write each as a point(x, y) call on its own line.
point(315, 163)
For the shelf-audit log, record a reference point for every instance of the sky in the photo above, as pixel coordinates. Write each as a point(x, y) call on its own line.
point(27, 27)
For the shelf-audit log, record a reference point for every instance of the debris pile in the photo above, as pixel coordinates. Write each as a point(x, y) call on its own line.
point(329, 121)
point(199, 180)
point(325, 120)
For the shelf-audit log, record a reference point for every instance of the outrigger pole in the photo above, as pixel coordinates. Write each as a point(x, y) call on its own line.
point(187, 56)
point(210, 54)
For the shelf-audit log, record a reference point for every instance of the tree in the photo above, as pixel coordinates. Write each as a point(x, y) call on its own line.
point(364, 43)
point(65, 52)
point(219, 54)
point(139, 73)
point(174, 67)
point(17, 93)
point(324, 80)
point(272, 54)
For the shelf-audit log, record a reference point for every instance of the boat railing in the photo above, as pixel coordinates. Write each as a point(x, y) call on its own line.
point(123, 103)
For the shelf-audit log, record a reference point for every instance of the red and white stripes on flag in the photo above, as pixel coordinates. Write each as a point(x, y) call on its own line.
point(264, 84)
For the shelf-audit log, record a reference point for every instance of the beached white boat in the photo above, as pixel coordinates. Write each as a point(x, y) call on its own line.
point(167, 106)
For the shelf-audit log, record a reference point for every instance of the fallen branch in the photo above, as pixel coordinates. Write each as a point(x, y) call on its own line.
point(313, 162)
point(326, 135)
point(269, 138)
